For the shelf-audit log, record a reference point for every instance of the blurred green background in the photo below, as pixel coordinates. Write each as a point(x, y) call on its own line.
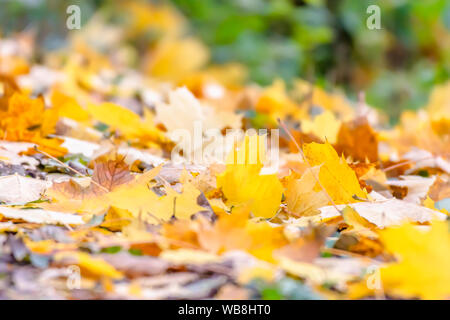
point(324, 41)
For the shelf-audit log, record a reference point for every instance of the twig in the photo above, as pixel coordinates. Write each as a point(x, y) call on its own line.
point(403, 163)
point(160, 221)
point(276, 214)
point(174, 206)
point(70, 168)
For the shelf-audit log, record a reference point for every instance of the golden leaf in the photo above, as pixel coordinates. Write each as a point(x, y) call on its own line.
point(338, 179)
point(242, 182)
point(302, 199)
point(423, 267)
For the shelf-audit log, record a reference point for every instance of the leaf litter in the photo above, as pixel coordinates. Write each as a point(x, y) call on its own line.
point(103, 194)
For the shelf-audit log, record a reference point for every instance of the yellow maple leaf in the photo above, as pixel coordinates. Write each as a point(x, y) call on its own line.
point(242, 182)
point(338, 179)
point(265, 239)
point(126, 122)
point(423, 263)
point(90, 266)
point(324, 126)
point(301, 197)
point(138, 199)
point(68, 107)
point(136, 230)
point(358, 224)
point(117, 219)
point(185, 203)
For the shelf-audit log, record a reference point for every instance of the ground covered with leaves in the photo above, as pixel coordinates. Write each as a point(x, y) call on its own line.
point(104, 195)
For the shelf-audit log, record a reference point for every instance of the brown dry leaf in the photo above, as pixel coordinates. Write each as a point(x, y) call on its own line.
point(72, 196)
point(111, 173)
point(364, 171)
point(358, 140)
point(108, 174)
point(440, 188)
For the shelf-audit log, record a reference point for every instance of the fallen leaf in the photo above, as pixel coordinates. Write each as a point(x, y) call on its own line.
point(40, 216)
point(242, 182)
point(358, 140)
point(90, 266)
point(392, 212)
point(16, 189)
point(338, 179)
point(301, 197)
point(358, 224)
point(417, 187)
point(325, 126)
point(422, 269)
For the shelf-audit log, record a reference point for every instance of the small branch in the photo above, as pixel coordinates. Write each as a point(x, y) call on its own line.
point(70, 168)
point(404, 163)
